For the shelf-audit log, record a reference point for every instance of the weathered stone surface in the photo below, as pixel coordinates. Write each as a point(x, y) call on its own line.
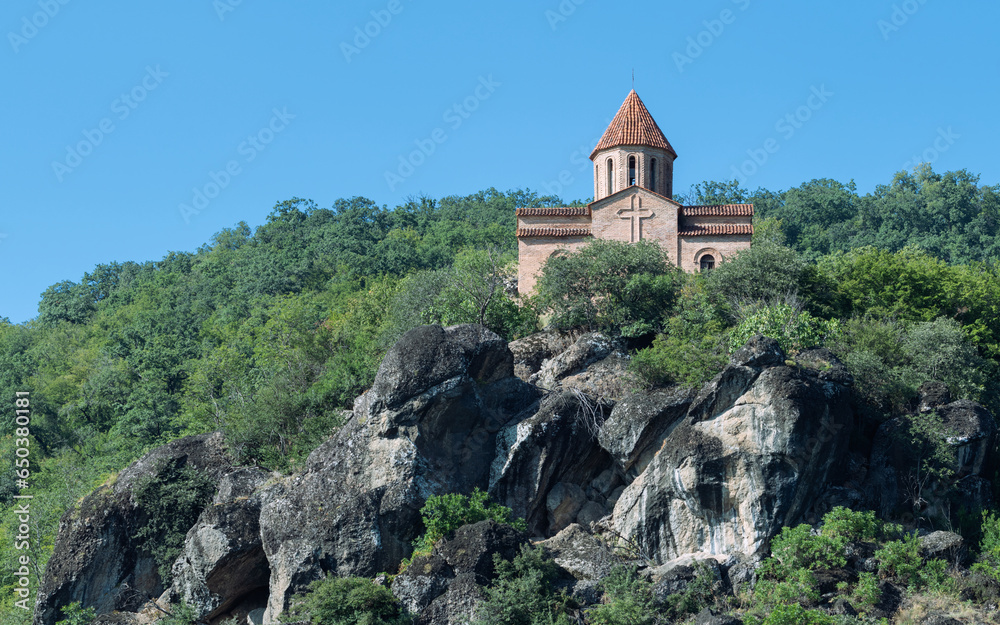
point(675, 576)
point(945, 545)
point(443, 588)
point(557, 445)
point(708, 617)
point(580, 553)
point(587, 350)
point(96, 560)
point(427, 427)
point(531, 352)
point(754, 451)
point(638, 425)
point(223, 562)
point(967, 427)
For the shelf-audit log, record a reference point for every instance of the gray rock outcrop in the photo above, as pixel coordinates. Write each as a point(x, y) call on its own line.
point(427, 427)
point(97, 560)
point(754, 449)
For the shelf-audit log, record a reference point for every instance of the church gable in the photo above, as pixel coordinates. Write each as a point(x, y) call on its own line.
point(636, 214)
point(633, 183)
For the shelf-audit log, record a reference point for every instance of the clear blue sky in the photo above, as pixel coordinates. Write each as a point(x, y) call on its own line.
point(113, 113)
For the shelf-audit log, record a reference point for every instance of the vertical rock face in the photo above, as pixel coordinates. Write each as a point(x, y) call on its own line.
point(427, 427)
point(97, 561)
point(754, 449)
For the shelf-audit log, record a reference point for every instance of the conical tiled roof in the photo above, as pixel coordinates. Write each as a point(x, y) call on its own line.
point(633, 125)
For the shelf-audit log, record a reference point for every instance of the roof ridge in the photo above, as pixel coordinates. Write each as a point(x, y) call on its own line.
point(633, 125)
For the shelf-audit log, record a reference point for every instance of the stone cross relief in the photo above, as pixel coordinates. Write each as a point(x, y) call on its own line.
point(635, 214)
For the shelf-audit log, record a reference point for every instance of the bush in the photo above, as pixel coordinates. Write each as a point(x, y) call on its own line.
point(794, 330)
point(348, 601)
point(628, 599)
point(799, 548)
point(699, 594)
point(989, 546)
point(611, 286)
point(522, 592)
point(676, 359)
point(77, 615)
point(867, 592)
point(797, 615)
point(766, 272)
point(901, 560)
point(172, 498)
point(855, 526)
point(443, 514)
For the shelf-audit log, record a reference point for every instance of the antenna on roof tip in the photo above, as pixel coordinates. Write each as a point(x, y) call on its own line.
point(633, 79)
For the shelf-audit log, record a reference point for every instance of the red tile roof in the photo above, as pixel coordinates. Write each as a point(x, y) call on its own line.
point(553, 232)
point(633, 125)
point(722, 210)
point(574, 211)
point(717, 229)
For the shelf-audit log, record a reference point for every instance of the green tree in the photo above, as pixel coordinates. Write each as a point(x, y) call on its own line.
point(610, 286)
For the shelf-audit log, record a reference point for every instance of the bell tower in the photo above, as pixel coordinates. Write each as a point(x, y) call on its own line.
point(633, 151)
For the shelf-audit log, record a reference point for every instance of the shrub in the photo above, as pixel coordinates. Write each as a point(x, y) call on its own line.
point(348, 601)
point(77, 615)
point(867, 592)
point(611, 286)
point(797, 615)
point(699, 594)
point(766, 272)
point(172, 498)
point(989, 546)
point(628, 599)
point(676, 359)
point(443, 514)
point(900, 560)
point(794, 330)
point(854, 526)
point(799, 548)
point(522, 592)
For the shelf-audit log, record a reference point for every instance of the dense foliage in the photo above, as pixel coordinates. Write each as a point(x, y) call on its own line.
point(269, 334)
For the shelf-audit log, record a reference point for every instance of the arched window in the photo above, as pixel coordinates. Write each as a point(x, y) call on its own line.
point(631, 171)
point(707, 262)
point(652, 175)
point(611, 176)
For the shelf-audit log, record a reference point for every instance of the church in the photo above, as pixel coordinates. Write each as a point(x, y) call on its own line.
point(633, 200)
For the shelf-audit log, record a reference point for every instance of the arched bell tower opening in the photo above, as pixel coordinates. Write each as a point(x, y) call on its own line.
point(633, 151)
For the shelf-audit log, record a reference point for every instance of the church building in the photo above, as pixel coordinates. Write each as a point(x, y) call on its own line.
point(633, 200)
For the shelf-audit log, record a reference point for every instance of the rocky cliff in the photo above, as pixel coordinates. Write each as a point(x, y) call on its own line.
point(548, 426)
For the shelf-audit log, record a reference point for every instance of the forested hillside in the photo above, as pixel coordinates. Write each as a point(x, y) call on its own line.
point(269, 335)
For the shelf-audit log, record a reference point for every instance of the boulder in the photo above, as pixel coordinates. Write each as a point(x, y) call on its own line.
point(581, 554)
point(96, 559)
point(639, 424)
point(443, 587)
point(966, 426)
point(708, 617)
point(544, 463)
point(223, 563)
point(588, 349)
point(427, 427)
point(944, 545)
point(531, 352)
point(675, 576)
point(753, 452)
